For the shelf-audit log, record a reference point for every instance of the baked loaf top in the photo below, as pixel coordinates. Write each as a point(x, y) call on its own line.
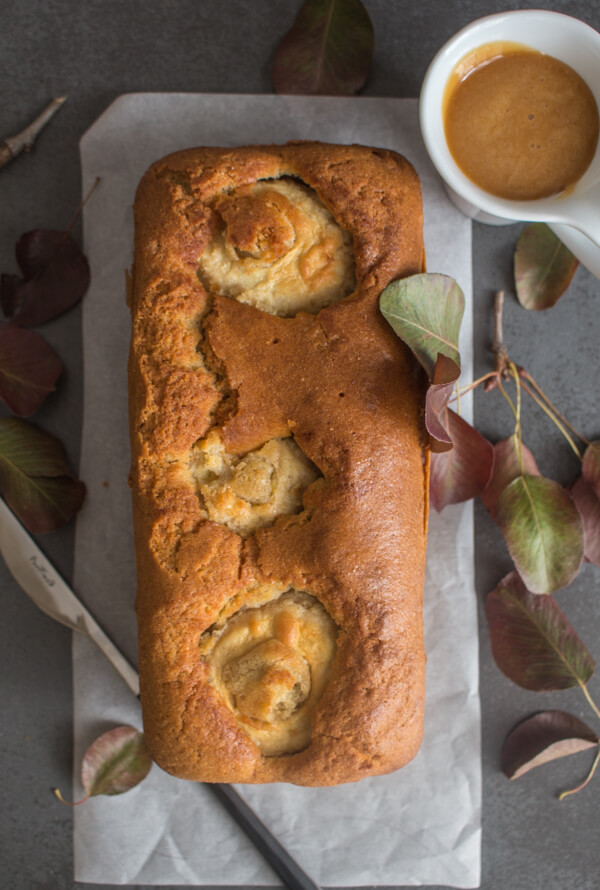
point(279, 464)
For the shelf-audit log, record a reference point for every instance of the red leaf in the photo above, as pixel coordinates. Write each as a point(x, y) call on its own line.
point(588, 504)
point(29, 368)
point(542, 738)
point(35, 479)
point(463, 472)
point(327, 51)
point(436, 401)
point(590, 467)
point(507, 468)
point(56, 275)
point(532, 641)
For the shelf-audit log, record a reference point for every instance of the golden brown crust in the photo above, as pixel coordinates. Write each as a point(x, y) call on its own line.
point(351, 395)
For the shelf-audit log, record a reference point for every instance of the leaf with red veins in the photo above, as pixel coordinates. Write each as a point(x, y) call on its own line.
point(532, 641)
point(543, 267)
point(29, 368)
point(35, 479)
point(506, 468)
point(327, 51)
point(116, 762)
point(588, 504)
point(462, 473)
point(541, 738)
point(56, 276)
point(543, 531)
point(590, 467)
point(436, 403)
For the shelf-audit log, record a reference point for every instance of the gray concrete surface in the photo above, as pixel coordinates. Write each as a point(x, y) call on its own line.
point(94, 50)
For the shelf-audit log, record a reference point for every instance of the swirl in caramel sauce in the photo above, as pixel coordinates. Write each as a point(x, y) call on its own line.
point(271, 663)
point(520, 124)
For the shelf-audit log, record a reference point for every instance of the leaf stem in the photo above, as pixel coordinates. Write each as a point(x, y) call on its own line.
point(82, 205)
point(553, 407)
point(457, 391)
point(508, 399)
point(589, 776)
point(515, 374)
point(69, 803)
point(465, 389)
point(590, 700)
point(553, 418)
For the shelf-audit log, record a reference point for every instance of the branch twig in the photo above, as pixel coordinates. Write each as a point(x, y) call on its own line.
point(24, 140)
point(498, 347)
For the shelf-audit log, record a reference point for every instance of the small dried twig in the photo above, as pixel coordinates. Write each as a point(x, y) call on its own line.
point(498, 346)
point(24, 140)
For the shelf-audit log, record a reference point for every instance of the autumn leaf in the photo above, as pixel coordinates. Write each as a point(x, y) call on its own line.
point(463, 472)
point(327, 51)
point(544, 737)
point(588, 504)
point(35, 479)
point(425, 311)
point(506, 468)
point(436, 402)
point(56, 275)
point(543, 267)
point(543, 531)
point(590, 466)
point(29, 368)
point(532, 641)
point(115, 762)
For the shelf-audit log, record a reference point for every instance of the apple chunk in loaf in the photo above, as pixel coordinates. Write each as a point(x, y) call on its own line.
point(279, 464)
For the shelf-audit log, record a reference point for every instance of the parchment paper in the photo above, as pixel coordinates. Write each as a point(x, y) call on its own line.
point(420, 825)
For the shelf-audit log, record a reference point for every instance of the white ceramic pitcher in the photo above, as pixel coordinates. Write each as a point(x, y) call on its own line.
point(574, 215)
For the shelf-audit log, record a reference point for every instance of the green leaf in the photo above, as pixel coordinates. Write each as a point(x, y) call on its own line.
point(115, 762)
point(541, 738)
point(532, 641)
point(426, 311)
point(35, 479)
point(328, 50)
point(543, 531)
point(543, 267)
point(29, 368)
point(506, 468)
point(462, 473)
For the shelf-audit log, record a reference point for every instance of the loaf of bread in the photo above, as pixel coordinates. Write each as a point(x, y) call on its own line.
point(279, 464)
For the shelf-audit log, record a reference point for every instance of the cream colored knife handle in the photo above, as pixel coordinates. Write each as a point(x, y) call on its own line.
point(41, 582)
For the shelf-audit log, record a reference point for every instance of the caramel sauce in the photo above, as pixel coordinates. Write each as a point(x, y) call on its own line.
point(520, 124)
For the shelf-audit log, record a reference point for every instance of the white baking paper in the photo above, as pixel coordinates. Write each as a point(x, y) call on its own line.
point(420, 825)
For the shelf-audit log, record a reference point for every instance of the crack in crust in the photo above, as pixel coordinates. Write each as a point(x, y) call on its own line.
point(253, 490)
